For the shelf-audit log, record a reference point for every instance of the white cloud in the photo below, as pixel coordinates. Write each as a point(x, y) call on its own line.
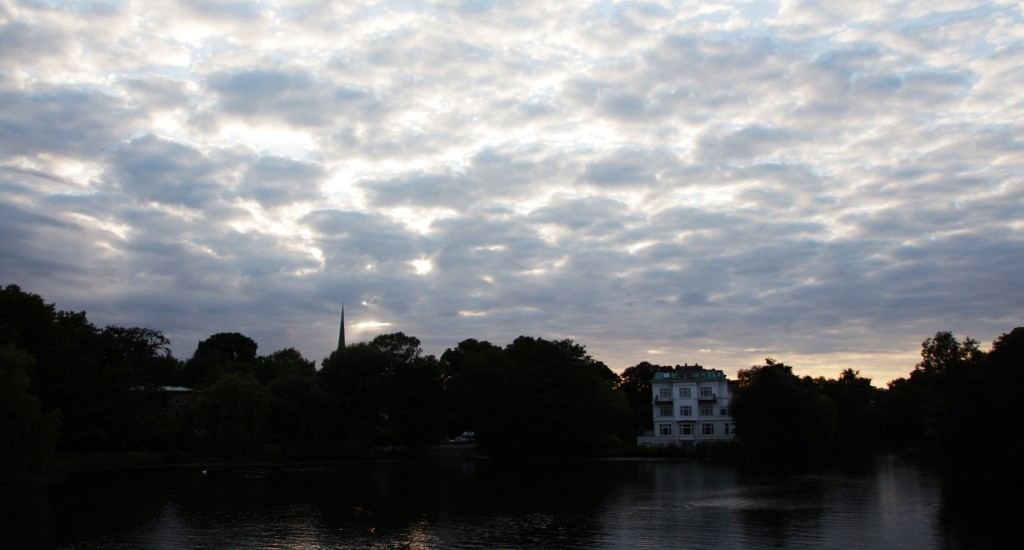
point(826, 182)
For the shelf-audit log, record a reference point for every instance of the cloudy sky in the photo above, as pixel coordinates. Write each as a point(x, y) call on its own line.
point(828, 183)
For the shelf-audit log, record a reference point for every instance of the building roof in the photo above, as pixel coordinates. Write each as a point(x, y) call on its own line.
point(689, 373)
point(162, 388)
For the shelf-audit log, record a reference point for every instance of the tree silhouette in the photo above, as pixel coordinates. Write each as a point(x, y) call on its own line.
point(781, 420)
point(28, 438)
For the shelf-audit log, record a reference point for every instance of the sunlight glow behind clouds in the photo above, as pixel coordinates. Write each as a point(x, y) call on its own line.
point(826, 182)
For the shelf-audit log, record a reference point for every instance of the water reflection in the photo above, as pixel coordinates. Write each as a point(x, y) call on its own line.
point(483, 505)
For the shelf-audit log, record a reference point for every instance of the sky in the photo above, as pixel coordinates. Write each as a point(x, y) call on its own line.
point(825, 183)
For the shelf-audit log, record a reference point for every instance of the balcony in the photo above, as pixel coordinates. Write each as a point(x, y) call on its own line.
point(707, 398)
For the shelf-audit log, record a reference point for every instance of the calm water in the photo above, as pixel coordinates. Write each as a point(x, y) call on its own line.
point(485, 505)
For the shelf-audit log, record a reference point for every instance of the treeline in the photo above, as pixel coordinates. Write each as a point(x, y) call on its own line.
point(960, 408)
point(69, 387)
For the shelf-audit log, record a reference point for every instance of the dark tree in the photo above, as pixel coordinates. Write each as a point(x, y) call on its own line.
point(28, 438)
point(476, 377)
point(281, 363)
point(386, 391)
point(133, 362)
point(220, 354)
point(300, 416)
point(948, 372)
point(561, 401)
point(70, 374)
point(904, 415)
point(415, 406)
point(354, 386)
point(635, 384)
point(28, 322)
point(858, 416)
point(972, 413)
point(232, 417)
point(781, 421)
point(1000, 451)
point(135, 345)
point(396, 351)
point(413, 400)
point(943, 351)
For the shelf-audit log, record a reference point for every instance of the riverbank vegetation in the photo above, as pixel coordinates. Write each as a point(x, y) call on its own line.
point(70, 390)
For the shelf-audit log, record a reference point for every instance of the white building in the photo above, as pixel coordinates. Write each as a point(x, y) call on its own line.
point(690, 405)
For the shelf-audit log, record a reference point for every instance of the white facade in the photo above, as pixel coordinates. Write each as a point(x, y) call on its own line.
point(690, 405)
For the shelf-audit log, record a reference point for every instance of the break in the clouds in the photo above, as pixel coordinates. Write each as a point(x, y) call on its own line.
point(825, 182)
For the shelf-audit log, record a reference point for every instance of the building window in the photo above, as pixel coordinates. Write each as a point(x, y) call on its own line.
point(706, 392)
point(684, 393)
point(686, 429)
point(664, 429)
point(665, 410)
point(707, 410)
point(707, 429)
point(665, 393)
point(724, 411)
point(177, 400)
point(685, 410)
point(727, 429)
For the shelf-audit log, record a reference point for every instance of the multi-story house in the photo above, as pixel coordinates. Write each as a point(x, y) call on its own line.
point(174, 400)
point(690, 405)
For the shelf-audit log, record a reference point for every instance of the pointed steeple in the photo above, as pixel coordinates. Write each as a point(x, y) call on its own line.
point(341, 330)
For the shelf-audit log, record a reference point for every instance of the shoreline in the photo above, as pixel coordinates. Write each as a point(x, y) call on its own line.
point(115, 461)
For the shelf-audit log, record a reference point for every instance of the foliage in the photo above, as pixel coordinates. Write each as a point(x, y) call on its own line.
point(943, 352)
point(386, 391)
point(66, 386)
point(282, 363)
point(299, 415)
point(232, 417)
point(476, 376)
point(858, 423)
point(635, 384)
point(28, 438)
point(560, 401)
point(970, 408)
point(69, 375)
point(903, 413)
point(354, 388)
point(220, 354)
point(781, 420)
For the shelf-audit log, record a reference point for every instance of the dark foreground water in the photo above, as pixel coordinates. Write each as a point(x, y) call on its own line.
point(457, 504)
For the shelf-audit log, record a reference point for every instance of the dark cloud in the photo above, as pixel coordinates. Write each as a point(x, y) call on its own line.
point(594, 214)
point(627, 168)
point(440, 188)
point(158, 93)
point(156, 169)
point(59, 120)
point(25, 233)
point(351, 240)
point(490, 175)
point(746, 144)
point(293, 97)
point(276, 181)
point(19, 40)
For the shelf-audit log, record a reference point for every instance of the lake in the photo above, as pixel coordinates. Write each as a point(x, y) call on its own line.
point(486, 504)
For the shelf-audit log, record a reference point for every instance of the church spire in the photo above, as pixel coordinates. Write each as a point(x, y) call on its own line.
point(341, 329)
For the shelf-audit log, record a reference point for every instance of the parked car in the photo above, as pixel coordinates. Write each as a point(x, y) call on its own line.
point(466, 437)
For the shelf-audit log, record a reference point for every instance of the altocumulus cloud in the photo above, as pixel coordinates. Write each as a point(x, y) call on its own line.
point(828, 183)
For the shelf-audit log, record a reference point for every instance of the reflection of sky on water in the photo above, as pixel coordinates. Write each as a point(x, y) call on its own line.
point(497, 505)
point(702, 506)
